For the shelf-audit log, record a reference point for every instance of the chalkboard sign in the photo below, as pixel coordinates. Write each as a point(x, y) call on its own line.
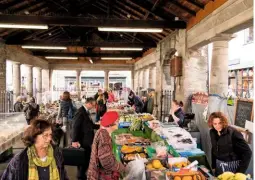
point(244, 111)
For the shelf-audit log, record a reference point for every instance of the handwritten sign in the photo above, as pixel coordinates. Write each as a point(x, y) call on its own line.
point(243, 112)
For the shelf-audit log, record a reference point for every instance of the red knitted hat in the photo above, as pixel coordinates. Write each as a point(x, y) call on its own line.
point(109, 118)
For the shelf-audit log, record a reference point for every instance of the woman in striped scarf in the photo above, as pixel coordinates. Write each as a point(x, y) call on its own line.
point(39, 160)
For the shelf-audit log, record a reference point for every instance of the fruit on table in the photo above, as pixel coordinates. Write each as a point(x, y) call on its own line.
point(240, 176)
point(149, 167)
point(180, 164)
point(197, 177)
point(130, 149)
point(226, 176)
point(187, 178)
point(177, 178)
point(157, 164)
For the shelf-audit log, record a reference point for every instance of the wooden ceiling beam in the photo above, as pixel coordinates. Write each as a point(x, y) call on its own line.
point(85, 44)
point(122, 54)
point(89, 22)
point(184, 8)
point(196, 3)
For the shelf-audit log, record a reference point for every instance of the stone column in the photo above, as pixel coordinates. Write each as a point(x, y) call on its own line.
point(39, 85)
point(30, 80)
point(154, 78)
point(78, 83)
point(136, 79)
point(50, 84)
point(132, 79)
point(219, 66)
point(16, 79)
point(146, 78)
point(106, 79)
point(3, 98)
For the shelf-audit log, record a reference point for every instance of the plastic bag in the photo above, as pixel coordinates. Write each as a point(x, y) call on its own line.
point(135, 170)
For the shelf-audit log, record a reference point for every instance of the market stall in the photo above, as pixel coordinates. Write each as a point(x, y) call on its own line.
point(167, 150)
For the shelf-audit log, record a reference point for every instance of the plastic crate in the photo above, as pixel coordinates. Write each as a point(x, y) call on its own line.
point(124, 124)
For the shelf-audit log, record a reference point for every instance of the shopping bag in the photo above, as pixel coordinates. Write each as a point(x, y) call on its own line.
point(135, 170)
point(74, 156)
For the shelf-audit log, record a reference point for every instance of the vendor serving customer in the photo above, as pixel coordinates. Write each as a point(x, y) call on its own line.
point(103, 164)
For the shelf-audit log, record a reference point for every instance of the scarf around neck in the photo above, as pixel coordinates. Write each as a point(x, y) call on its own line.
point(34, 161)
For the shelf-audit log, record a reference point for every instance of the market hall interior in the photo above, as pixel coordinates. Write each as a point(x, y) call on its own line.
point(189, 50)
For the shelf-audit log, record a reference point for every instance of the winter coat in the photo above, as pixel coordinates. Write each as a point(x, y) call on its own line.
point(66, 109)
point(31, 110)
point(18, 107)
point(150, 105)
point(230, 146)
point(17, 169)
point(138, 104)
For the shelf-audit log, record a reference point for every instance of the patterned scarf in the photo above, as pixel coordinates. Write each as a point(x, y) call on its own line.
point(34, 161)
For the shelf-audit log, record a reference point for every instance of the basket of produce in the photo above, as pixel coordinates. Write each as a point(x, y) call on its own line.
point(156, 169)
point(176, 163)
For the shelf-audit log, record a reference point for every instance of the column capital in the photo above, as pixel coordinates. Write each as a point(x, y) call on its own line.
point(222, 37)
point(16, 63)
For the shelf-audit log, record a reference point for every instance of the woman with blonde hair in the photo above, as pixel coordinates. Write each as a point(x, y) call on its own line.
point(230, 152)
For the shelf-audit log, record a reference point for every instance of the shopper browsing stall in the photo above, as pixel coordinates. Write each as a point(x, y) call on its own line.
point(138, 104)
point(18, 106)
point(39, 160)
point(230, 152)
point(103, 164)
point(31, 110)
point(83, 133)
point(66, 112)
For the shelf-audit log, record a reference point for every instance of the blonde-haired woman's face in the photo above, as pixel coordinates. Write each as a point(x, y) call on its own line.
point(217, 124)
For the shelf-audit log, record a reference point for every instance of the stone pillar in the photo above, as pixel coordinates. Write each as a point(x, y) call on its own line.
point(16, 79)
point(50, 84)
point(39, 85)
point(106, 79)
point(30, 80)
point(136, 79)
point(146, 78)
point(219, 68)
point(154, 78)
point(78, 83)
point(132, 79)
point(3, 98)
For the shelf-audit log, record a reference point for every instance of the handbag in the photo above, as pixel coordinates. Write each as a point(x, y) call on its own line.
point(74, 156)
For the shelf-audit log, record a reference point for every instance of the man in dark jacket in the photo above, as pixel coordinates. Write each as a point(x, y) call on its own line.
point(18, 106)
point(83, 133)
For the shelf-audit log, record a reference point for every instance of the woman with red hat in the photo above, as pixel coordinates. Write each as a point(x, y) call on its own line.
point(103, 164)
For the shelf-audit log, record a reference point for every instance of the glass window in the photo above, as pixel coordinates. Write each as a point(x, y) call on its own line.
point(248, 35)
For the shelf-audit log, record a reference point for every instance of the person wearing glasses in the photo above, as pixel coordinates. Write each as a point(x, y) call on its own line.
point(103, 164)
point(39, 160)
point(83, 133)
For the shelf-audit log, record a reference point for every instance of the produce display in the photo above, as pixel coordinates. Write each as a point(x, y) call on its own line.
point(136, 125)
point(123, 139)
point(131, 149)
point(232, 176)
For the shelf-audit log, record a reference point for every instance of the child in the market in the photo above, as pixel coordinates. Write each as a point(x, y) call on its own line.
point(103, 164)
